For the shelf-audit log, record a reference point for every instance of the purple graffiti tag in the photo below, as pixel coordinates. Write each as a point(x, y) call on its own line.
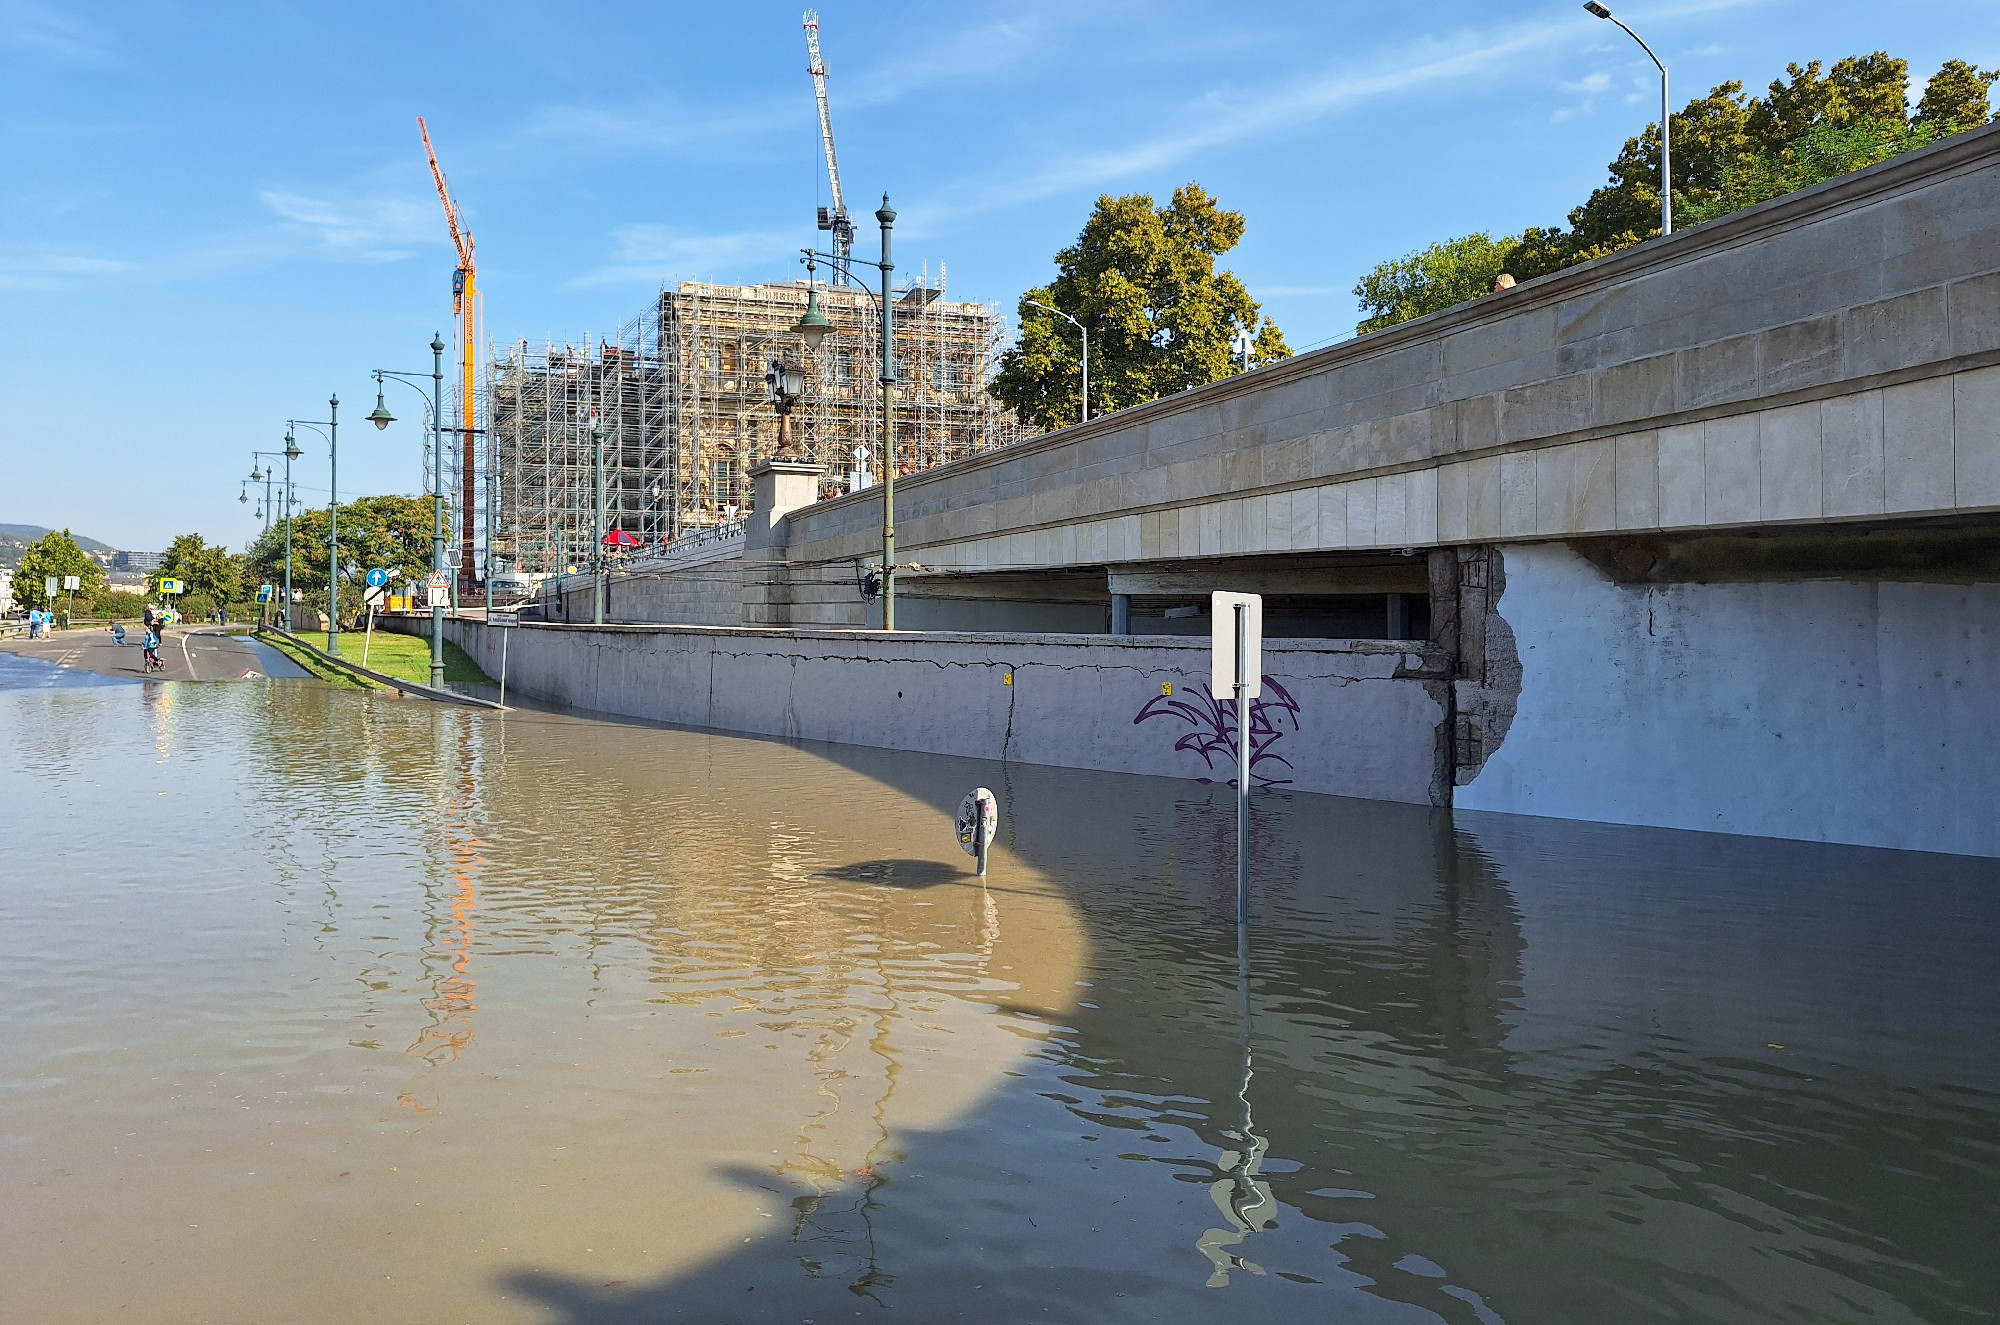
point(1212, 727)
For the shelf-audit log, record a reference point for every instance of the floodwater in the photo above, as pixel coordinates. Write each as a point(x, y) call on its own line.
point(330, 1007)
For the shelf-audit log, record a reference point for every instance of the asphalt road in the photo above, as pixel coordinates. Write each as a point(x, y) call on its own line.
point(196, 654)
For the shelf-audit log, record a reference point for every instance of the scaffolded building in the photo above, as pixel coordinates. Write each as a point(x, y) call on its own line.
point(677, 399)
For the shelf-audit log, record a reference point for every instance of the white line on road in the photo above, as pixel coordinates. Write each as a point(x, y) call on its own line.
point(190, 659)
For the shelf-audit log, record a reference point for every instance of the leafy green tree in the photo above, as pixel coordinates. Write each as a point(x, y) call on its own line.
point(1730, 152)
point(54, 553)
point(210, 573)
point(1956, 98)
point(1161, 318)
point(1432, 278)
point(393, 533)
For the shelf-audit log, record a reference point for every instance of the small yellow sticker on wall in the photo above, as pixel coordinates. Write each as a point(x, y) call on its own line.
point(1166, 687)
point(1006, 678)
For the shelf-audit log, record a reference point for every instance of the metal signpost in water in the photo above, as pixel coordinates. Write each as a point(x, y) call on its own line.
point(506, 621)
point(978, 821)
point(1236, 648)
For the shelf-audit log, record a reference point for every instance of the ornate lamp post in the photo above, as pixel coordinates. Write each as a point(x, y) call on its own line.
point(330, 429)
point(814, 327)
point(433, 407)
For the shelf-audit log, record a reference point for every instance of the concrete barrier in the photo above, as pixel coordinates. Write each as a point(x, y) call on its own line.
point(1360, 718)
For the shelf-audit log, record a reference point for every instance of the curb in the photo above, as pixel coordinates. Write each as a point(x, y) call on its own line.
point(395, 683)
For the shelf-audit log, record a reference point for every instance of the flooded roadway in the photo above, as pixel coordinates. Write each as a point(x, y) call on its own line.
point(329, 1007)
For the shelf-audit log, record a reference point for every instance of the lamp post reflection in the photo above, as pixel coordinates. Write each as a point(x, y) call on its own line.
point(448, 945)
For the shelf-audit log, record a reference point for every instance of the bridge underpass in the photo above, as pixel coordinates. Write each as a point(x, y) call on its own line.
point(1705, 531)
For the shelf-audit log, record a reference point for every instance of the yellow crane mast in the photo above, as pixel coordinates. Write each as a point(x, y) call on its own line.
point(464, 307)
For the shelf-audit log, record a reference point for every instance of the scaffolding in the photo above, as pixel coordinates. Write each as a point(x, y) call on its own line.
point(679, 397)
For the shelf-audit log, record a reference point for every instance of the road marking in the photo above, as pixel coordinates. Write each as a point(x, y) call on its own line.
point(190, 659)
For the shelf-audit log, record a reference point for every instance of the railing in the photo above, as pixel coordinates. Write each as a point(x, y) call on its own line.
point(706, 537)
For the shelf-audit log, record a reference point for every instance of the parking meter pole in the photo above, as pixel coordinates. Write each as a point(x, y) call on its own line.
point(503, 667)
point(980, 840)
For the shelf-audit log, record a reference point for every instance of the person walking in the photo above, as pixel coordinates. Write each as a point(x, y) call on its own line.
point(152, 642)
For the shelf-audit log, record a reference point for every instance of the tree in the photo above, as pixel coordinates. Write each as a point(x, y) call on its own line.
point(54, 554)
point(1956, 98)
point(1432, 278)
point(1730, 152)
point(1161, 318)
point(210, 573)
point(393, 533)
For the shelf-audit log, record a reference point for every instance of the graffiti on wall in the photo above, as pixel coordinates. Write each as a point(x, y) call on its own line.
point(1211, 724)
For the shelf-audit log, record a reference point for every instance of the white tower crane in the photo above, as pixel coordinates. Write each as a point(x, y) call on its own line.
point(830, 218)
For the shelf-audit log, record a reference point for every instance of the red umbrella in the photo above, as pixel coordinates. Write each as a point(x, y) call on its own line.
point(619, 538)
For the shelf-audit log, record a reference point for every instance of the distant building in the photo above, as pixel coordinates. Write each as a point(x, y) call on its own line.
point(124, 582)
point(6, 591)
point(145, 562)
point(680, 397)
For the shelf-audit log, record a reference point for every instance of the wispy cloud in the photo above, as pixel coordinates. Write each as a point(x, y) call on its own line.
point(364, 229)
point(54, 271)
point(656, 253)
point(27, 26)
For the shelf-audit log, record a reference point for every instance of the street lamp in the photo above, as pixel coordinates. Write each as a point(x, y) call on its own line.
point(291, 453)
point(813, 326)
point(1036, 303)
point(1666, 128)
point(597, 519)
point(331, 427)
point(433, 407)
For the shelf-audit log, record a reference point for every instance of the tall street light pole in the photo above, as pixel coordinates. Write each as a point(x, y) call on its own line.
point(596, 521)
point(1666, 127)
point(814, 327)
point(292, 453)
point(330, 429)
point(382, 418)
point(1085, 332)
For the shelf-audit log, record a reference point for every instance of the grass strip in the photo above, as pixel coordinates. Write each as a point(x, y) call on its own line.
point(317, 665)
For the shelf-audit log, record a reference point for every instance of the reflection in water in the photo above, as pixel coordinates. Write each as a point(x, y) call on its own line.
point(447, 958)
point(753, 1043)
point(1241, 1195)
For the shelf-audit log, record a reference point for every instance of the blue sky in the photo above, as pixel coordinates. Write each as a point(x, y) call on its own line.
point(218, 213)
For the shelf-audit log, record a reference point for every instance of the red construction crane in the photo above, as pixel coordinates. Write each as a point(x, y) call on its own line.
point(464, 307)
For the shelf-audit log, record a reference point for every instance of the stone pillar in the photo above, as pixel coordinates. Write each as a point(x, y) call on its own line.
point(1121, 614)
point(777, 488)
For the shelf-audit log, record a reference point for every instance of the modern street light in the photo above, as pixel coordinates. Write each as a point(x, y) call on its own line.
point(1666, 128)
point(1036, 303)
point(331, 427)
point(433, 408)
point(813, 325)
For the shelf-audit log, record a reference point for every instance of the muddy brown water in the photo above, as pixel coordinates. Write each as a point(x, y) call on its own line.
point(330, 1007)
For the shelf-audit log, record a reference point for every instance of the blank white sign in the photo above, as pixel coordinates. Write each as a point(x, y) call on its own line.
point(1222, 644)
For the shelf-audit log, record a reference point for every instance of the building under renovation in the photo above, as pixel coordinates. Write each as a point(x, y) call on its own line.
point(678, 402)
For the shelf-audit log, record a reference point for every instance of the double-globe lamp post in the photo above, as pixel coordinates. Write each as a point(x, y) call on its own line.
point(382, 418)
point(813, 326)
point(1666, 127)
point(329, 428)
point(1085, 333)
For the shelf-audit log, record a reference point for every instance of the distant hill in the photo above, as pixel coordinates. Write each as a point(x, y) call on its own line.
point(14, 540)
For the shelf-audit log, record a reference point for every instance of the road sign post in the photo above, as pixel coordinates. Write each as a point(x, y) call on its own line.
point(504, 622)
point(978, 821)
point(437, 590)
point(1236, 665)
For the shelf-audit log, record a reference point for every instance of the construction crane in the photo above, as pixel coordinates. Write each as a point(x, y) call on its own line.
point(465, 307)
point(830, 218)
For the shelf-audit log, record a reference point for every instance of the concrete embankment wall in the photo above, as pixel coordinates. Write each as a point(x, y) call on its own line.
point(1348, 718)
point(1863, 712)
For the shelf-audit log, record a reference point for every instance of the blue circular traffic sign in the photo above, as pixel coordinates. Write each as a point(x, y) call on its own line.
point(377, 578)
